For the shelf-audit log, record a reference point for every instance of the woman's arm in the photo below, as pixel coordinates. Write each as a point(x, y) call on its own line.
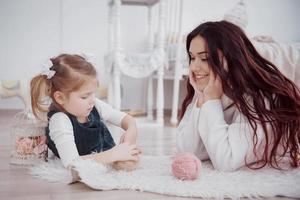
point(188, 138)
point(228, 145)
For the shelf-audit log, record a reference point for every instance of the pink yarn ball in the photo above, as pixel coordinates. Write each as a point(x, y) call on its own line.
point(186, 166)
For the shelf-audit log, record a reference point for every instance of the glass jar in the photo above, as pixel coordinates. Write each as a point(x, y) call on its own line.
point(28, 139)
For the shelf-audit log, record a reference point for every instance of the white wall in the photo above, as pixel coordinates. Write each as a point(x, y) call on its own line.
point(33, 30)
point(278, 18)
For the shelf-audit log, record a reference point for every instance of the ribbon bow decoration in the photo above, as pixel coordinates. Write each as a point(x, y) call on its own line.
point(87, 56)
point(46, 69)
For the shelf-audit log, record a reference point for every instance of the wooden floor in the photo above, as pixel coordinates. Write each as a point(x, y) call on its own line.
point(15, 183)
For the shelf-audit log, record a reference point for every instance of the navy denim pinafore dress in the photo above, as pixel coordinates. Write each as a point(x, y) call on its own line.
point(90, 137)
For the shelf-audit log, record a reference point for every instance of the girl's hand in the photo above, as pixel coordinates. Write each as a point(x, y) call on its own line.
point(125, 151)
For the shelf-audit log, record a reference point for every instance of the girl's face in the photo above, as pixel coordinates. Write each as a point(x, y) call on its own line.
point(199, 66)
point(81, 102)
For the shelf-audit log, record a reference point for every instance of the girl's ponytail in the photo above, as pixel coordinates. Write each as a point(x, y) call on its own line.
point(39, 88)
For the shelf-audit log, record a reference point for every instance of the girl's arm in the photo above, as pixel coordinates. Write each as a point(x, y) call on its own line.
point(119, 119)
point(121, 152)
point(61, 132)
point(228, 145)
point(129, 125)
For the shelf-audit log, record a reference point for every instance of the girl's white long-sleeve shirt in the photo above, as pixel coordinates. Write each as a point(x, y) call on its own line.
point(222, 135)
point(61, 130)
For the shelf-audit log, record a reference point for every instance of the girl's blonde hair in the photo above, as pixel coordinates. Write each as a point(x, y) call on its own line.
point(71, 71)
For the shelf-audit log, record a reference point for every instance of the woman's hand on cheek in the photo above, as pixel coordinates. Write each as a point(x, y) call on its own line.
point(198, 92)
point(213, 90)
point(194, 84)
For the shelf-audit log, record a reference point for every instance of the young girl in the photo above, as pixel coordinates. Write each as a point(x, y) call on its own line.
point(76, 118)
point(239, 109)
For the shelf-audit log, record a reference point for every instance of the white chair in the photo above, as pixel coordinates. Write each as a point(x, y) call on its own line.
point(136, 65)
point(176, 64)
point(16, 88)
point(175, 47)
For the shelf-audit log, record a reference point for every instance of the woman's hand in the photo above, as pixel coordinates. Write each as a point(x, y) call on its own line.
point(194, 84)
point(213, 89)
point(125, 151)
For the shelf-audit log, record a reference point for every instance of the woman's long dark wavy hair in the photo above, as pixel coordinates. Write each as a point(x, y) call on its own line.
point(276, 99)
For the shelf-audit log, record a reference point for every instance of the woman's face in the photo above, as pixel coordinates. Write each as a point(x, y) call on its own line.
point(199, 66)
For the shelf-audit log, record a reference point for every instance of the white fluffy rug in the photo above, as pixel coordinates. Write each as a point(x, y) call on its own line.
point(154, 175)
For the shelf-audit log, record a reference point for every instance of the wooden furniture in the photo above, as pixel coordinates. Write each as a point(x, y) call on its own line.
point(137, 65)
point(175, 46)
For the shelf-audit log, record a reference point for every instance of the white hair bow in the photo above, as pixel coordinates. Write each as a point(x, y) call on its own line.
point(46, 69)
point(87, 56)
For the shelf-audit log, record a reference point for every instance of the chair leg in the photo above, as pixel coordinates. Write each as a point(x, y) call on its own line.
point(177, 76)
point(150, 99)
point(174, 120)
point(117, 91)
point(110, 96)
point(160, 99)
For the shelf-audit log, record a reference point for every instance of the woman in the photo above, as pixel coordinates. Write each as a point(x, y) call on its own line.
point(239, 108)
